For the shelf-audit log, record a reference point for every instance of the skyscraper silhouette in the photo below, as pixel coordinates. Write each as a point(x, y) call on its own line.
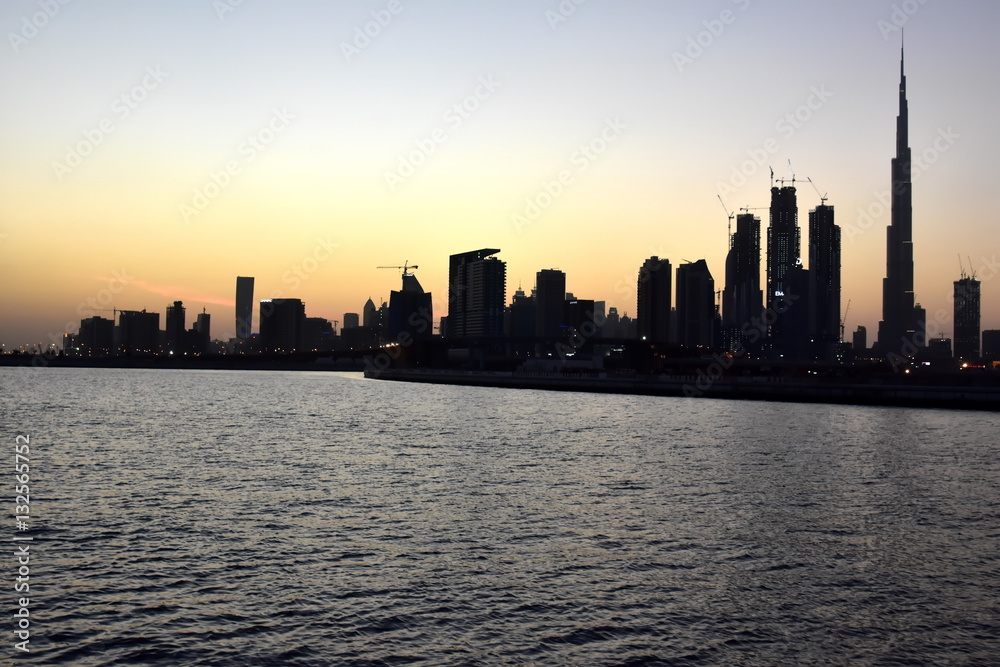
point(138, 332)
point(175, 328)
point(784, 262)
point(410, 312)
point(203, 327)
point(477, 294)
point(244, 308)
point(282, 323)
point(696, 315)
point(967, 312)
point(550, 303)
point(901, 327)
point(96, 337)
point(653, 299)
point(521, 315)
point(824, 282)
point(370, 314)
point(742, 300)
point(784, 240)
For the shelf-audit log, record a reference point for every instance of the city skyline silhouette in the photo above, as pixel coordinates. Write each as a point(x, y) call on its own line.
point(627, 163)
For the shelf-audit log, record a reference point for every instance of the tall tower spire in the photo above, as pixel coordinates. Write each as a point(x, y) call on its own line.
point(900, 330)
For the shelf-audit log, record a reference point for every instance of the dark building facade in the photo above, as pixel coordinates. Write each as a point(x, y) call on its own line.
point(784, 239)
point(742, 299)
point(317, 334)
point(787, 295)
point(792, 332)
point(138, 332)
point(696, 314)
point(282, 323)
point(550, 303)
point(96, 337)
point(991, 345)
point(861, 340)
point(902, 327)
point(370, 314)
point(824, 282)
point(521, 316)
point(967, 314)
point(202, 338)
point(654, 291)
point(477, 294)
point(244, 308)
point(175, 331)
point(410, 312)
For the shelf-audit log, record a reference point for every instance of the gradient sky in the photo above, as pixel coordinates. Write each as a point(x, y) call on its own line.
point(310, 211)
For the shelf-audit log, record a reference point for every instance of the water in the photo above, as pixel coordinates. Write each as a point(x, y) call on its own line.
point(244, 518)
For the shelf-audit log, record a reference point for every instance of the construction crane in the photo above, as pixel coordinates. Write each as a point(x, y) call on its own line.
point(782, 181)
point(843, 320)
point(730, 214)
point(406, 267)
point(822, 197)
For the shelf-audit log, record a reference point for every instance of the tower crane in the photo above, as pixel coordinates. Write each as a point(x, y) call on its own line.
point(406, 267)
point(843, 320)
point(731, 215)
point(822, 197)
point(782, 181)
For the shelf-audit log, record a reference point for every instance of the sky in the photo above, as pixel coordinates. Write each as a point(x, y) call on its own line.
point(153, 152)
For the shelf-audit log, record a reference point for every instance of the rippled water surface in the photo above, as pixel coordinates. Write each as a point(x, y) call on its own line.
point(244, 518)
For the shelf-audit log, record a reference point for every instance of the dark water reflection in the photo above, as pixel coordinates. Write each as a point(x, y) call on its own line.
point(269, 518)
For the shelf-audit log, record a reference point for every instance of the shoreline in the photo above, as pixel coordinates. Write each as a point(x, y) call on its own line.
point(874, 392)
point(888, 391)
